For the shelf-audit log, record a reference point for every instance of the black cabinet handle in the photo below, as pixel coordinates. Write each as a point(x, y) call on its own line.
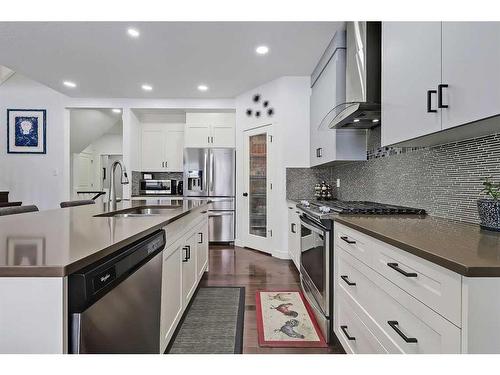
point(346, 279)
point(201, 237)
point(245, 194)
point(186, 256)
point(319, 152)
point(395, 267)
point(349, 337)
point(162, 164)
point(440, 95)
point(208, 140)
point(394, 326)
point(429, 101)
point(346, 239)
point(293, 228)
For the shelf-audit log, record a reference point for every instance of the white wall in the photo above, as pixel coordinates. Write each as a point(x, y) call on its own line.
point(34, 179)
point(108, 144)
point(289, 96)
point(88, 125)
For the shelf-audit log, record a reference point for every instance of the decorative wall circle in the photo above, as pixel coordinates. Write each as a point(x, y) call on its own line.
point(257, 113)
point(249, 112)
point(265, 103)
point(256, 98)
point(270, 111)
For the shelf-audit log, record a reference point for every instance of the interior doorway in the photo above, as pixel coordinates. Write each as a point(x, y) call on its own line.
point(96, 141)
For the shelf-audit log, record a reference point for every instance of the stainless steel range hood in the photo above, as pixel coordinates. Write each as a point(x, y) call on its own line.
point(361, 109)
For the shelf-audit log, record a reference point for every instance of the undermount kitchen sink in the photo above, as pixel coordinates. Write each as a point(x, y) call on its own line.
point(140, 211)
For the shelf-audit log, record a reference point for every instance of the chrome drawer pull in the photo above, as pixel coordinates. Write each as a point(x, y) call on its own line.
point(346, 279)
point(344, 329)
point(394, 326)
point(346, 239)
point(395, 267)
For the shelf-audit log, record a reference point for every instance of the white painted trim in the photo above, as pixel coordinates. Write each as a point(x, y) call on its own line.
point(281, 254)
point(238, 242)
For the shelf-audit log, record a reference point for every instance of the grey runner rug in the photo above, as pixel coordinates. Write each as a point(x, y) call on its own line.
point(212, 324)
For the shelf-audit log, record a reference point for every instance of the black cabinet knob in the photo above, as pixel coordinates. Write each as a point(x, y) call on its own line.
point(245, 194)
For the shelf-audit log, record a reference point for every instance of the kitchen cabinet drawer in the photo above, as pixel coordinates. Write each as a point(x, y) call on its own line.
point(352, 332)
point(435, 286)
point(438, 288)
point(355, 243)
point(401, 323)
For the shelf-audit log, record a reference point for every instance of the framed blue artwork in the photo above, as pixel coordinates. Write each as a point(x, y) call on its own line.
point(26, 131)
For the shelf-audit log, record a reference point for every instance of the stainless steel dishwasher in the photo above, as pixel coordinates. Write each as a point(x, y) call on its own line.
point(114, 304)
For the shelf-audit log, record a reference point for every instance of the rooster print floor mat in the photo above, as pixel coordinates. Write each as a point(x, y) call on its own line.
point(285, 319)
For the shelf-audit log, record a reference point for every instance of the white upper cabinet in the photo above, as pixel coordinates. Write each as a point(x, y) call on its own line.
point(328, 91)
point(162, 147)
point(210, 130)
point(411, 71)
point(437, 76)
point(471, 69)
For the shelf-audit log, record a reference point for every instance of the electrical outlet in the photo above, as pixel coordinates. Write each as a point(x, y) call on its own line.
point(338, 182)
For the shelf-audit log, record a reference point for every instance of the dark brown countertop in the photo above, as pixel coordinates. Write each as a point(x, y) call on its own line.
point(55, 243)
point(460, 247)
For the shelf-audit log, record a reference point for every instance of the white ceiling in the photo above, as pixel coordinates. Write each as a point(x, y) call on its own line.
point(174, 57)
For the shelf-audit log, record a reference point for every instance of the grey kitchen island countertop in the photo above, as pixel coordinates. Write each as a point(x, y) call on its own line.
point(55, 243)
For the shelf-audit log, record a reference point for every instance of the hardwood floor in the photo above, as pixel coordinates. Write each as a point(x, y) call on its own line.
point(236, 266)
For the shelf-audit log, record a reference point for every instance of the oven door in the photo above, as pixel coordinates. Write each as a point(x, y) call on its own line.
point(314, 262)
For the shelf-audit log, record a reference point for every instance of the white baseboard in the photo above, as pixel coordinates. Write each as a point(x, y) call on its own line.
point(281, 254)
point(239, 243)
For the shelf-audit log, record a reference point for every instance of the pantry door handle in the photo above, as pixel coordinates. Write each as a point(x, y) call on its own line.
point(349, 337)
point(188, 252)
point(293, 228)
point(346, 239)
point(201, 237)
point(394, 325)
point(346, 279)
point(429, 101)
point(186, 257)
point(395, 267)
point(440, 95)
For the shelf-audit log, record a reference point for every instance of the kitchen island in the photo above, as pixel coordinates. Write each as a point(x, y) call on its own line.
point(39, 250)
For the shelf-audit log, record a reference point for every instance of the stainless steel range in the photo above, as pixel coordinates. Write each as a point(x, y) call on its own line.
point(316, 243)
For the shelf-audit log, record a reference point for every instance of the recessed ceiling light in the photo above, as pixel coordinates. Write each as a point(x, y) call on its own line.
point(69, 84)
point(134, 33)
point(262, 50)
point(147, 87)
point(117, 110)
point(356, 120)
point(375, 120)
point(202, 87)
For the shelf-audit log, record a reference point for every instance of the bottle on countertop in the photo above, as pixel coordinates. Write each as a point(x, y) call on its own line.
point(323, 191)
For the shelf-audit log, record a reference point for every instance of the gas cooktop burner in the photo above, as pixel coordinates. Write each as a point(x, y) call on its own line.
point(361, 207)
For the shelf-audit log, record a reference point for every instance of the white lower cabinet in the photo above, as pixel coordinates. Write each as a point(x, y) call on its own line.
point(294, 235)
point(189, 274)
point(353, 333)
point(202, 248)
point(389, 314)
point(184, 262)
point(171, 292)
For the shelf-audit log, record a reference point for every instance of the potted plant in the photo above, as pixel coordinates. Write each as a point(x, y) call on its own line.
point(489, 208)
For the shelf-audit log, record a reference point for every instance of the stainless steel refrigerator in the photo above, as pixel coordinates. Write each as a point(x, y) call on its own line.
point(210, 172)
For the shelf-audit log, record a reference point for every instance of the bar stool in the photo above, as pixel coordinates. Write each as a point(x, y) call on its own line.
point(4, 211)
point(82, 202)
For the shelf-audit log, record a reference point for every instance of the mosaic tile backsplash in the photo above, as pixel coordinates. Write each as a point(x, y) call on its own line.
point(444, 180)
